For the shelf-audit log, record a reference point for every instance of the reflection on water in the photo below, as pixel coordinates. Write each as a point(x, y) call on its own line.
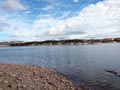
point(84, 64)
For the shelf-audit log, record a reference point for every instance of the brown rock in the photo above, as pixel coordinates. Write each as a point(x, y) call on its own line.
point(20, 77)
point(5, 81)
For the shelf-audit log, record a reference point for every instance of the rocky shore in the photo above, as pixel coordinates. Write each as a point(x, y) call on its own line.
point(21, 77)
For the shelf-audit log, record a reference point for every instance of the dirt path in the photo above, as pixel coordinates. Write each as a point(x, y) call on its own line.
point(20, 77)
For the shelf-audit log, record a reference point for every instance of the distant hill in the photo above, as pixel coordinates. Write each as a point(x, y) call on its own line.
point(60, 42)
point(9, 43)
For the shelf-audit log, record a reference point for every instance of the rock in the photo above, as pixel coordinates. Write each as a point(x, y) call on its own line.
point(12, 75)
point(5, 81)
point(13, 86)
point(113, 72)
point(20, 77)
point(24, 86)
point(1, 80)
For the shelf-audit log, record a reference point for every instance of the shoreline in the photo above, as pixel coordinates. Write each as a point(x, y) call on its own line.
point(60, 42)
point(24, 77)
point(58, 45)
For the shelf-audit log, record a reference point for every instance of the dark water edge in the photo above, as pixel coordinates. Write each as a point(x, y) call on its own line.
point(87, 86)
point(83, 64)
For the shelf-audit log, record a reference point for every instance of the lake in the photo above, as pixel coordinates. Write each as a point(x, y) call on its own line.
point(83, 64)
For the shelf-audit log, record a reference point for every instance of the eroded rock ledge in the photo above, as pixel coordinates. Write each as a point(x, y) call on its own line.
point(21, 77)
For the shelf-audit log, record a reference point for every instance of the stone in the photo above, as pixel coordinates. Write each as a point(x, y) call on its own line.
point(24, 86)
point(5, 81)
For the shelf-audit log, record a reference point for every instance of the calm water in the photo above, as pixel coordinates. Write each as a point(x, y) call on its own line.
point(84, 64)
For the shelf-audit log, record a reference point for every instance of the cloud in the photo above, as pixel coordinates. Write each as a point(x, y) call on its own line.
point(75, 0)
point(100, 20)
point(2, 26)
point(49, 7)
point(17, 26)
point(13, 5)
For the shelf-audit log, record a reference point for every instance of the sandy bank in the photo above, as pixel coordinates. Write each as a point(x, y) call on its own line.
point(20, 77)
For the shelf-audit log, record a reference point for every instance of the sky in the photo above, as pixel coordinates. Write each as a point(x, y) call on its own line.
point(39, 20)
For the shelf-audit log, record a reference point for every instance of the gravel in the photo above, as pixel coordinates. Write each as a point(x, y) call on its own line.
point(21, 77)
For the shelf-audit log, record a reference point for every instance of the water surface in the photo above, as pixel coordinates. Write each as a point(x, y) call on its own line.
point(84, 64)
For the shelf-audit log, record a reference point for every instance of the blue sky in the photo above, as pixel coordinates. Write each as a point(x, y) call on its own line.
point(37, 20)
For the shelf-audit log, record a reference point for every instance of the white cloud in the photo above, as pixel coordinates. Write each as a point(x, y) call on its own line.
point(49, 7)
point(100, 20)
point(13, 5)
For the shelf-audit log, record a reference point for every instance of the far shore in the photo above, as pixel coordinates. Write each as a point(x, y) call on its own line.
point(60, 42)
point(23, 77)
